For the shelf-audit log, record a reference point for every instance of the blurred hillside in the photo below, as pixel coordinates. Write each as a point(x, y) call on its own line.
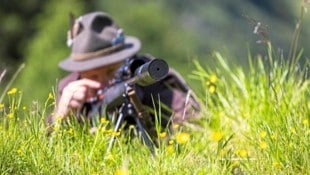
point(176, 30)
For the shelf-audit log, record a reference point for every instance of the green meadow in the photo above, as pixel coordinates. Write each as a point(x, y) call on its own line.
point(254, 120)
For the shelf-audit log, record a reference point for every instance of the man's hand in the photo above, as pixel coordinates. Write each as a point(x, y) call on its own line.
point(74, 95)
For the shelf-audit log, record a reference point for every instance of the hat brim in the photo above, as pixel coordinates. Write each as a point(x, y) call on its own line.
point(132, 46)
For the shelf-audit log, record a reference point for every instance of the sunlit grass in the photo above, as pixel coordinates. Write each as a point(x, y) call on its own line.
point(254, 122)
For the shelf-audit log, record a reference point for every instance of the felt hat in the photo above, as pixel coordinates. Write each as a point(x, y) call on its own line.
point(96, 41)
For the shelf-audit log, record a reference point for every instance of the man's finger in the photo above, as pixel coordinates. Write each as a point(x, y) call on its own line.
point(88, 83)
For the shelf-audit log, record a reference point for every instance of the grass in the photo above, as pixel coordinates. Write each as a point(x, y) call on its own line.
point(253, 122)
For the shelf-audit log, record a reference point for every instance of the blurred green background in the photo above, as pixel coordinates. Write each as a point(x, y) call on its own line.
point(34, 32)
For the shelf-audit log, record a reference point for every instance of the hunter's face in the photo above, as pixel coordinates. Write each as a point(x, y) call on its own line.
point(102, 74)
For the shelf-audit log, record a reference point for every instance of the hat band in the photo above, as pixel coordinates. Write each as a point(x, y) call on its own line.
point(102, 52)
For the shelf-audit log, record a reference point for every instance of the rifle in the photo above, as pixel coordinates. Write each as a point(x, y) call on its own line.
point(123, 97)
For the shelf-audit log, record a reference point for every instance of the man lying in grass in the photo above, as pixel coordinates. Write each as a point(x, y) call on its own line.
point(100, 57)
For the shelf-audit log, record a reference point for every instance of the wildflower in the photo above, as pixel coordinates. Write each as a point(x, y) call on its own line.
point(291, 145)
point(71, 131)
point(222, 114)
point(50, 96)
point(58, 119)
point(274, 137)
point(25, 123)
point(10, 115)
point(175, 126)
point(293, 130)
point(24, 108)
point(12, 91)
point(212, 88)
point(109, 131)
point(235, 163)
point(208, 83)
point(213, 78)
point(1, 106)
point(57, 127)
point(182, 137)
point(263, 145)
point(170, 149)
point(103, 120)
point(171, 142)
point(162, 134)
point(114, 133)
point(217, 136)
point(305, 121)
point(242, 153)
point(123, 171)
point(263, 134)
point(277, 165)
point(20, 151)
point(103, 129)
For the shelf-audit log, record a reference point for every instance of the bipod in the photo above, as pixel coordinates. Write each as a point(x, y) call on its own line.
point(135, 109)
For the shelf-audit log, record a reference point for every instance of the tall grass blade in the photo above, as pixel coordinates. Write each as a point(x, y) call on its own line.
point(11, 81)
point(2, 75)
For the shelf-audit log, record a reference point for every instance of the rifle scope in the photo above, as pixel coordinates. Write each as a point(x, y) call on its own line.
point(146, 74)
point(150, 72)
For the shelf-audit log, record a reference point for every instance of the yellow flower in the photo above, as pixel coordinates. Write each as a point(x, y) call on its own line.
point(274, 137)
point(24, 108)
point(263, 134)
point(162, 134)
point(222, 114)
point(212, 88)
point(58, 119)
point(10, 115)
point(171, 142)
point(217, 136)
point(263, 145)
point(114, 133)
point(213, 78)
point(242, 153)
point(305, 122)
point(277, 165)
point(123, 171)
point(12, 91)
point(293, 130)
point(208, 83)
point(104, 121)
point(57, 127)
point(25, 123)
point(20, 151)
point(182, 137)
point(235, 163)
point(170, 149)
point(50, 96)
point(175, 126)
point(71, 131)
point(1, 106)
